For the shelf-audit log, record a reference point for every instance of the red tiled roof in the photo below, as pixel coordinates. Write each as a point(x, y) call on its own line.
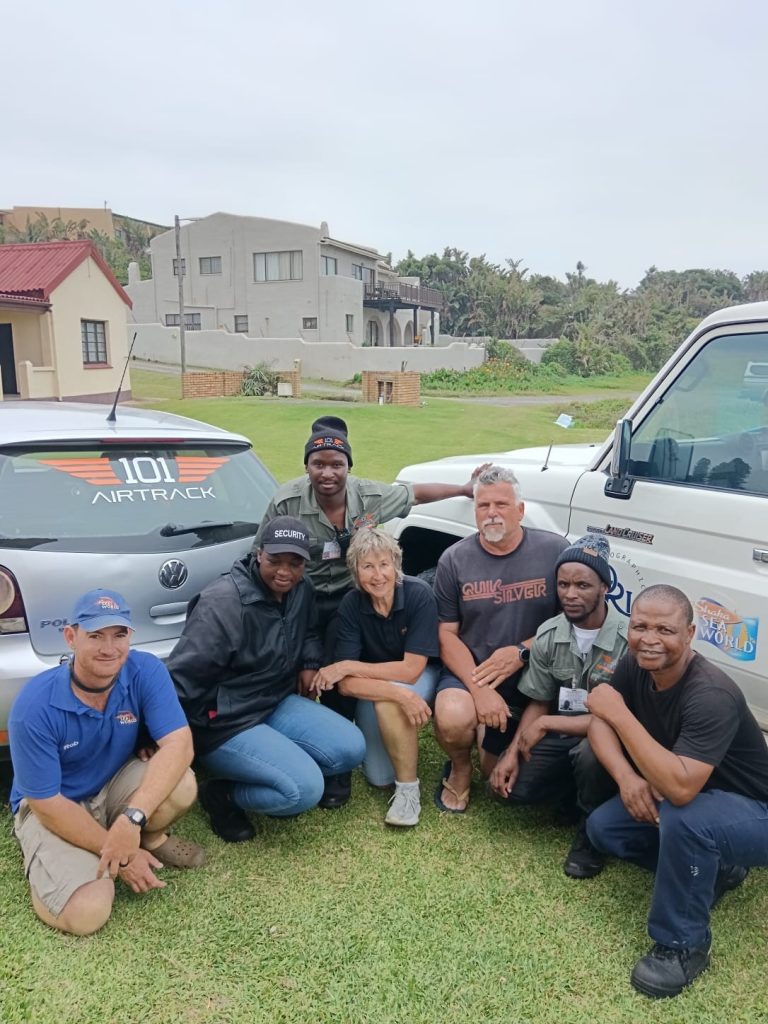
point(36, 269)
point(10, 300)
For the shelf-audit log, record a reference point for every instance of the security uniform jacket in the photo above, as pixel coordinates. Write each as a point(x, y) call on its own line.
point(241, 652)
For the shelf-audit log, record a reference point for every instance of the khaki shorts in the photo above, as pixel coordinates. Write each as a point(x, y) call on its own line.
point(56, 868)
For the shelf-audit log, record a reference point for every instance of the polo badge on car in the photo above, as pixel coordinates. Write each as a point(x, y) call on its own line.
point(173, 574)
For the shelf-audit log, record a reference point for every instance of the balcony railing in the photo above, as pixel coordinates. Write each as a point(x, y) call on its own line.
point(398, 291)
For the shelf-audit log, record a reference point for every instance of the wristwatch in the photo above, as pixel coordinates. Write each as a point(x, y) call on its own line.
point(525, 653)
point(135, 816)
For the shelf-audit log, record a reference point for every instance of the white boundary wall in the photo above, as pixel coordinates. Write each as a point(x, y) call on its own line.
point(220, 350)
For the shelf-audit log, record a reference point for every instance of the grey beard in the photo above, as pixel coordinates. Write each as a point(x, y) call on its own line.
point(493, 534)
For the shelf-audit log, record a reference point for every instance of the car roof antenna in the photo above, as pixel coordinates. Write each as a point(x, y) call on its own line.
point(112, 418)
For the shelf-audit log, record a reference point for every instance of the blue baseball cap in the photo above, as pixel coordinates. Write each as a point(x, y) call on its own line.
point(101, 608)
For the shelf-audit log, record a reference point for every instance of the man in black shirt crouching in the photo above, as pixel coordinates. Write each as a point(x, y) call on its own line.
point(691, 765)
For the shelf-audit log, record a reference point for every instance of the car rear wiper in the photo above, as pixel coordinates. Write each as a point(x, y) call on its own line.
point(172, 530)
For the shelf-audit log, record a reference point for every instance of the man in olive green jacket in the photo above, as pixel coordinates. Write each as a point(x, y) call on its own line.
point(550, 755)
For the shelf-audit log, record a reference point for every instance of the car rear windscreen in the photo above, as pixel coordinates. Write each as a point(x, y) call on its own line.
point(136, 497)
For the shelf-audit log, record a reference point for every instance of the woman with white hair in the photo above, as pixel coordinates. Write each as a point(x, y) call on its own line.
point(387, 635)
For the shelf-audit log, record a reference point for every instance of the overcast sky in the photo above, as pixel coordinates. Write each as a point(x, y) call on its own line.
point(619, 133)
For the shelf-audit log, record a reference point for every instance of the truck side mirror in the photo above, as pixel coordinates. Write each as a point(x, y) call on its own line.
point(619, 484)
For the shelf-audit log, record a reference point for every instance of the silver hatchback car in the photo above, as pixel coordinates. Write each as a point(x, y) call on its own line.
point(152, 505)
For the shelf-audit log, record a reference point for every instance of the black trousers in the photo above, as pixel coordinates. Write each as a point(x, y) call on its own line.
point(327, 613)
point(559, 767)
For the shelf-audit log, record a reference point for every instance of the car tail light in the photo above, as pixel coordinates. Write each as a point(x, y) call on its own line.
point(13, 617)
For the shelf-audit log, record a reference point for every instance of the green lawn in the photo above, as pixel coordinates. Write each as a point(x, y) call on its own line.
point(384, 438)
point(332, 918)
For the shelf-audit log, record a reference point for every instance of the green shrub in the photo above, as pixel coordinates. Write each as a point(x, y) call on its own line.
point(504, 352)
point(494, 376)
point(562, 354)
point(260, 380)
point(585, 357)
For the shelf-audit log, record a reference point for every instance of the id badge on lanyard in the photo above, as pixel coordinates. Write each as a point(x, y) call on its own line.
point(572, 699)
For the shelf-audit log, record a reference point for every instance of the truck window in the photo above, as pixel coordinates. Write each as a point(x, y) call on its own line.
point(710, 429)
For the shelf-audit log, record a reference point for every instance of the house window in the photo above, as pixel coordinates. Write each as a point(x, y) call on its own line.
point(328, 266)
point(94, 337)
point(309, 323)
point(278, 266)
point(241, 324)
point(176, 268)
point(210, 264)
point(361, 273)
point(372, 333)
point(191, 321)
point(350, 323)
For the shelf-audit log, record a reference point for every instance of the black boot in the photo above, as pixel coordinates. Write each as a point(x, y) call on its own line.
point(664, 972)
point(338, 789)
point(228, 821)
point(729, 876)
point(583, 860)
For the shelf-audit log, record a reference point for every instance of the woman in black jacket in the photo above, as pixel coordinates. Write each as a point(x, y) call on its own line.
point(249, 644)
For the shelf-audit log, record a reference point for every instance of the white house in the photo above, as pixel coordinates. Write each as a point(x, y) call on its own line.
point(275, 279)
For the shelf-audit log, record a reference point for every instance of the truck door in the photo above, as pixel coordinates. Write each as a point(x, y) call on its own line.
point(697, 515)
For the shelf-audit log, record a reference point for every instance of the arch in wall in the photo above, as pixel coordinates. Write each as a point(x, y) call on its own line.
point(397, 335)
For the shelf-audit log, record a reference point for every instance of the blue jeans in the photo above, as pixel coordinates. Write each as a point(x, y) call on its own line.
point(685, 850)
point(377, 766)
point(279, 766)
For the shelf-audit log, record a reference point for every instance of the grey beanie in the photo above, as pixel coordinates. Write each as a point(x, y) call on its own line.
point(592, 550)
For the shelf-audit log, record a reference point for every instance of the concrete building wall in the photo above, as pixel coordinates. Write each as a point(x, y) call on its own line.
point(273, 308)
point(331, 361)
point(87, 295)
point(143, 297)
point(26, 334)
point(532, 348)
point(98, 219)
point(340, 297)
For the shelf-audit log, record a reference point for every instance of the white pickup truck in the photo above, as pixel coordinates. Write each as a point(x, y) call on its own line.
point(680, 489)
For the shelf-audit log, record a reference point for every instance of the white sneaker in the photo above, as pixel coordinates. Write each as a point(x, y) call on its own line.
point(405, 805)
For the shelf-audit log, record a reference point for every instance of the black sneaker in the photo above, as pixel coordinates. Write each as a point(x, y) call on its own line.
point(228, 821)
point(729, 876)
point(338, 790)
point(583, 860)
point(665, 972)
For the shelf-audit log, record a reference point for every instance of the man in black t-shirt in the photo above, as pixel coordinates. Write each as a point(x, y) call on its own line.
point(691, 765)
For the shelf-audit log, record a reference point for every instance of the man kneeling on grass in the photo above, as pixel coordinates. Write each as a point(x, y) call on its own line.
point(86, 809)
point(691, 765)
point(550, 757)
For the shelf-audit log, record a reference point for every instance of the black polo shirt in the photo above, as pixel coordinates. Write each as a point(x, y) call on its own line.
point(410, 628)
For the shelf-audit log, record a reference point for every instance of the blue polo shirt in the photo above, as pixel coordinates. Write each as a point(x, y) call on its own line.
point(60, 745)
point(410, 627)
